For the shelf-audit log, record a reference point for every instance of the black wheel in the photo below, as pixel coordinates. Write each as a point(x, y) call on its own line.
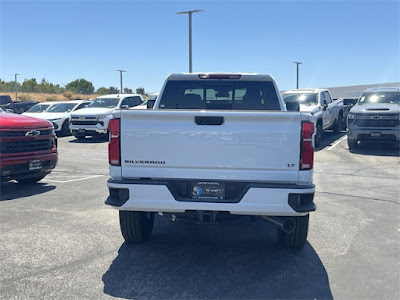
point(80, 137)
point(352, 144)
point(65, 128)
point(338, 125)
point(107, 135)
point(297, 238)
point(30, 180)
point(136, 226)
point(318, 135)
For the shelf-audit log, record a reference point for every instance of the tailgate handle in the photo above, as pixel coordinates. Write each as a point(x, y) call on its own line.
point(209, 120)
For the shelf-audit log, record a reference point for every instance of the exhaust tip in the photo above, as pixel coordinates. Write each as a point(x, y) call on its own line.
point(288, 225)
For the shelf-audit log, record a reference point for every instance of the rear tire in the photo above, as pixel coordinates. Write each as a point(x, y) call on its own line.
point(136, 226)
point(338, 125)
point(318, 135)
point(296, 239)
point(352, 144)
point(30, 180)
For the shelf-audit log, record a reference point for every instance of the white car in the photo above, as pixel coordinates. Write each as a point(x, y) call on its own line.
point(94, 119)
point(60, 113)
point(40, 108)
point(152, 97)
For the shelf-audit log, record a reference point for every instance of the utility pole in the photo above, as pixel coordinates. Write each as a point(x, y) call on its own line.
point(190, 13)
point(297, 77)
point(120, 76)
point(16, 87)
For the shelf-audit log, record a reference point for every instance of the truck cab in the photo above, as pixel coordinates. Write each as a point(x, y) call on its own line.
point(15, 107)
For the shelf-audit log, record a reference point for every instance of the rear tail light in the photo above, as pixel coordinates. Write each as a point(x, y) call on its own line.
point(307, 149)
point(114, 155)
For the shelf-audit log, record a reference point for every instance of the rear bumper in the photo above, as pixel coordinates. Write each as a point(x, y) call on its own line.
point(370, 134)
point(18, 167)
point(255, 198)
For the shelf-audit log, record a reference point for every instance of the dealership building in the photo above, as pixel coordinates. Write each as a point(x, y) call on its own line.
point(356, 90)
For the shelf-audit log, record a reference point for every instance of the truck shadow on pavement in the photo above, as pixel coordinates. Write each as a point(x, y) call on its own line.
point(377, 148)
point(90, 140)
point(328, 138)
point(233, 260)
point(12, 190)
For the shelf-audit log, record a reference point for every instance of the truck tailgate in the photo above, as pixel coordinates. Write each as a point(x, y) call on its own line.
point(189, 144)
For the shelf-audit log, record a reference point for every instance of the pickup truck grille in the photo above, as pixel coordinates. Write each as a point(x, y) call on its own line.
point(26, 146)
point(378, 120)
point(83, 122)
point(23, 133)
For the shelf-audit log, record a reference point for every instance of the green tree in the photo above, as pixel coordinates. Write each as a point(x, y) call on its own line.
point(80, 86)
point(113, 90)
point(29, 86)
point(7, 86)
point(104, 91)
point(140, 90)
point(128, 91)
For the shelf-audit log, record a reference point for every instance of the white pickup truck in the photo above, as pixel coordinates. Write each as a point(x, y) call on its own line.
point(93, 120)
point(327, 114)
point(213, 145)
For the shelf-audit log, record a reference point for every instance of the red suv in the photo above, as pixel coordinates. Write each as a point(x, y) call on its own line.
point(28, 148)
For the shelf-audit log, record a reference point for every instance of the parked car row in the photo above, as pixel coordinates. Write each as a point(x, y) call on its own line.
point(59, 113)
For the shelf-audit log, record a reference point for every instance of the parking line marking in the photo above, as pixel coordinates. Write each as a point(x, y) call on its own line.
point(337, 143)
point(72, 180)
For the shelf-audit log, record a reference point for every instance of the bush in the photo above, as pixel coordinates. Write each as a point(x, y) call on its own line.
point(52, 98)
point(68, 95)
point(24, 97)
point(80, 86)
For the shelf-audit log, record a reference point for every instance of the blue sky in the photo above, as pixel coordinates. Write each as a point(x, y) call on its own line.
point(339, 42)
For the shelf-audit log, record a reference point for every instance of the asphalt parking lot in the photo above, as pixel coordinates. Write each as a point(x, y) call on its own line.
point(59, 240)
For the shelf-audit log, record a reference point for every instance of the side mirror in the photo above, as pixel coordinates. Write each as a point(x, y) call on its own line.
point(293, 106)
point(150, 103)
point(124, 106)
point(325, 106)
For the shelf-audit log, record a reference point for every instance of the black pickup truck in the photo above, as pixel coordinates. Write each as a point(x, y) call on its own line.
point(17, 107)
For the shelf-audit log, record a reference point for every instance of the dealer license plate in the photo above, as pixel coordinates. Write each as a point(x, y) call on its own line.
point(208, 190)
point(35, 164)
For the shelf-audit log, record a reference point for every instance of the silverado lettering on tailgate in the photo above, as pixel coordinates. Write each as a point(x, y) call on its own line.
point(145, 162)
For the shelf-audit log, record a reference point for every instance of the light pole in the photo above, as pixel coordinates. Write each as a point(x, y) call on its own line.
point(297, 78)
point(16, 88)
point(120, 76)
point(190, 12)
